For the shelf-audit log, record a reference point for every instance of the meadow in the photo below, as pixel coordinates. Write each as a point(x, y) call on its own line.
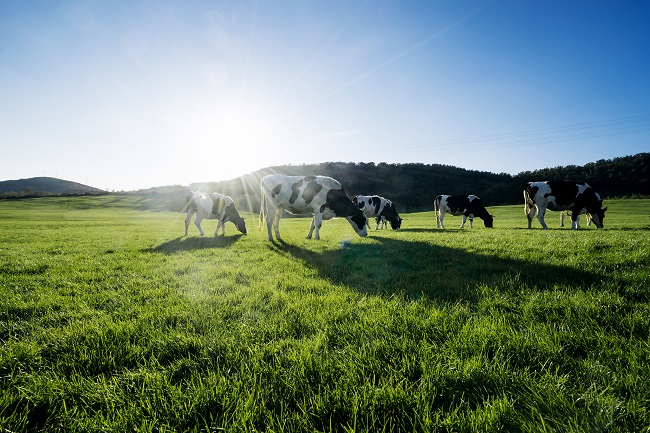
point(110, 321)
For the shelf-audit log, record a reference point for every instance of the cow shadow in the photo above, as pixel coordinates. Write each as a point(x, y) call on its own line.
point(413, 270)
point(184, 243)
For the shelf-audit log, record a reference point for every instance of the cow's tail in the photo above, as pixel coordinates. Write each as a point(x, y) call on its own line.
point(528, 202)
point(262, 205)
point(436, 209)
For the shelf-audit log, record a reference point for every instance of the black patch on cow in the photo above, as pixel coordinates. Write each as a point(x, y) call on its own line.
point(339, 203)
point(275, 191)
point(311, 190)
point(309, 178)
point(231, 214)
point(376, 202)
point(565, 192)
point(295, 190)
point(217, 204)
point(457, 203)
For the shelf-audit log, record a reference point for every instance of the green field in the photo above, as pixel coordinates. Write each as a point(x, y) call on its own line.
point(110, 321)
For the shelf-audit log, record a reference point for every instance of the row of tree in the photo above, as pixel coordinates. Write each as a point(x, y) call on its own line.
point(413, 187)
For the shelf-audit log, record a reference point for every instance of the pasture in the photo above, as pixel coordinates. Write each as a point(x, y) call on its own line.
point(111, 321)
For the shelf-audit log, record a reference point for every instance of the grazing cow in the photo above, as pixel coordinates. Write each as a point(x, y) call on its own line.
point(469, 206)
point(561, 195)
point(212, 206)
point(566, 212)
point(375, 206)
point(320, 196)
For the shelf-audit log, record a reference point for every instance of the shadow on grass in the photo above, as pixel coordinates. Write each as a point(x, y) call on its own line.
point(416, 269)
point(194, 243)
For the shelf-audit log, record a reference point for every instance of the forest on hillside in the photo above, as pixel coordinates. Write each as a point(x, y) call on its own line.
point(413, 187)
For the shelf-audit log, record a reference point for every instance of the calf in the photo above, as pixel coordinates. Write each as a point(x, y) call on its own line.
point(377, 207)
point(469, 206)
point(563, 195)
point(321, 196)
point(212, 206)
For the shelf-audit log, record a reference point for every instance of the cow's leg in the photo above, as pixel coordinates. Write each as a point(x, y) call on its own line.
point(471, 222)
point(531, 215)
point(313, 225)
point(462, 224)
point(317, 222)
point(197, 222)
point(562, 218)
point(222, 224)
point(575, 223)
point(273, 223)
point(441, 217)
point(378, 222)
point(540, 217)
point(188, 219)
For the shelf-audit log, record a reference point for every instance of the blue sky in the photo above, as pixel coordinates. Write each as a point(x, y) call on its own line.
point(123, 95)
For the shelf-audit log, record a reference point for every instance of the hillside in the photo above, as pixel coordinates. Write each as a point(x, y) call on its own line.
point(45, 186)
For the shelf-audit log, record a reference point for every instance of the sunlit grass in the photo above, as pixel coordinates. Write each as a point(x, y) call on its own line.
point(111, 321)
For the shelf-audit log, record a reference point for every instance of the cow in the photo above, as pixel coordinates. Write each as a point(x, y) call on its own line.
point(566, 212)
point(469, 206)
point(377, 207)
point(561, 195)
point(321, 196)
point(212, 206)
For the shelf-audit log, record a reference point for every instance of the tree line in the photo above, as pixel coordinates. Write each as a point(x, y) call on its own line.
point(413, 186)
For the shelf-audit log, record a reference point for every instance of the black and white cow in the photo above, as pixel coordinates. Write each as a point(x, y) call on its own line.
point(320, 196)
point(212, 206)
point(561, 195)
point(374, 206)
point(469, 206)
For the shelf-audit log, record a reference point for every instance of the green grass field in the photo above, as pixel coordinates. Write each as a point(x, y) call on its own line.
point(110, 321)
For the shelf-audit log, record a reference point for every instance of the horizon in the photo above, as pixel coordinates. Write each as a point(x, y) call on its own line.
point(205, 182)
point(127, 96)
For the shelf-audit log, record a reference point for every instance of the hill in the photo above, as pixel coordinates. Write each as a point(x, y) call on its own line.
point(39, 186)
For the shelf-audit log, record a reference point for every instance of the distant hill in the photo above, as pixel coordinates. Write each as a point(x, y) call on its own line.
point(45, 186)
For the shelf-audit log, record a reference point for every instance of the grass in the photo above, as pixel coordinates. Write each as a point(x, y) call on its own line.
point(110, 321)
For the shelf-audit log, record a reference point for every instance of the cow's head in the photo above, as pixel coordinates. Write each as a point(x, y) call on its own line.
point(598, 216)
point(358, 222)
point(488, 221)
point(396, 223)
point(241, 225)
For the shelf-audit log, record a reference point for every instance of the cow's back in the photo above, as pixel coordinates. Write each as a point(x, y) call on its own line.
point(298, 194)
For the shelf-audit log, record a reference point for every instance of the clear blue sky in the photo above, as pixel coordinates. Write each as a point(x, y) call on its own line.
point(123, 95)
